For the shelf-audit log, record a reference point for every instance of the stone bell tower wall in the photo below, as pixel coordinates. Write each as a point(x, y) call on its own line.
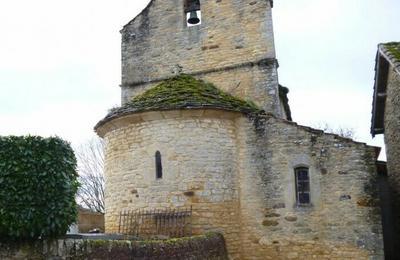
point(233, 47)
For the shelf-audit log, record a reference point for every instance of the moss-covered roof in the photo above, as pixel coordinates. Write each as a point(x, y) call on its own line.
point(392, 52)
point(185, 91)
point(393, 48)
point(182, 92)
point(388, 57)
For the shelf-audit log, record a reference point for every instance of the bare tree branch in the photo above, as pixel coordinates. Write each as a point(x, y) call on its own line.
point(341, 131)
point(90, 158)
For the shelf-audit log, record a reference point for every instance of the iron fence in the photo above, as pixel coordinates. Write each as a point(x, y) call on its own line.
point(150, 223)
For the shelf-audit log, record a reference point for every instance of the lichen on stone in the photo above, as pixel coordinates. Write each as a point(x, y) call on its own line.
point(367, 202)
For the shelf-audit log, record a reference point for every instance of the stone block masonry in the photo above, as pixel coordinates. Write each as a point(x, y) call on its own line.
point(239, 173)
point(343, 220)
point(236, 170)
point(234, 46)
point(198, 155)
point(392, 140)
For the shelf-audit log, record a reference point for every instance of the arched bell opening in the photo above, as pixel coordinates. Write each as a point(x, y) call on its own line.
point(193, 12)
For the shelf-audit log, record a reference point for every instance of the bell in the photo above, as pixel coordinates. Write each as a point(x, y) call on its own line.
point(193, 18)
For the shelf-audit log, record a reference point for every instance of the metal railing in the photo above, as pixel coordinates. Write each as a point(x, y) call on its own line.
point(150, 223)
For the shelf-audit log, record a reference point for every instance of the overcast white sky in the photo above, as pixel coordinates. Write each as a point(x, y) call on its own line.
point(60, 61)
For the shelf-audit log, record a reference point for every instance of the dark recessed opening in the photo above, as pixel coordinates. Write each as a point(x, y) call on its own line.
point(159, 173)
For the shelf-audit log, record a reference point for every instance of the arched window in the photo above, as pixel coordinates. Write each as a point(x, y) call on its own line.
point(302, 186)
point(158, 165)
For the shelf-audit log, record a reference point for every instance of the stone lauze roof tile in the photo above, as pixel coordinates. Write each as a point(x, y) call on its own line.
point(182, 92)
point(392, 51)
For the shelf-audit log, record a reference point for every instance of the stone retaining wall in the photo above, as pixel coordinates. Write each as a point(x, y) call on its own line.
point(88, 220)
point(210, 246)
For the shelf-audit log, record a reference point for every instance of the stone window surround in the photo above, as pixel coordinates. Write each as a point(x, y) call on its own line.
point(302, 160)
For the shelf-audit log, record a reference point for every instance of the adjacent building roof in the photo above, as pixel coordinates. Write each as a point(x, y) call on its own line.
point(392, 52)
point(182, 92)
point(388, 56)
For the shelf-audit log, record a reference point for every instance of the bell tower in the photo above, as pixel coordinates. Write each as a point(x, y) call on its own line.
point(227, 42)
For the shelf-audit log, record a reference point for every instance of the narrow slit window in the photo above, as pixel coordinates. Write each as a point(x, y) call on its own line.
point(159, 173)
point(302, 186)
point(192, 12)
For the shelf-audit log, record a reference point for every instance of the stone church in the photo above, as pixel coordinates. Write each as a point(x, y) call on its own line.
point(204, 123)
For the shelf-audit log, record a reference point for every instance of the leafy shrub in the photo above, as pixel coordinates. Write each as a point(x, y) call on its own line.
point(38, 182)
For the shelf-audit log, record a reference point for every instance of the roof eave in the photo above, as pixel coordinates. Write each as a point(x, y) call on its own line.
point(379, 98)
point(394, 63)
point(110, 118)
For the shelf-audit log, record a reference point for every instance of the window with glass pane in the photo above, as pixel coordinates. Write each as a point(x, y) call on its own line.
point(302, 186)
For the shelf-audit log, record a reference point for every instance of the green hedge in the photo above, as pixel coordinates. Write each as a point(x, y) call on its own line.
point(38, 182)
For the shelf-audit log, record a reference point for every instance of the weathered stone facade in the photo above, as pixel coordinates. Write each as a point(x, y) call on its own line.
point(344, 212)
point(233, 48)
point(239, 173)
point(392, 138)
point(235, 167)
point(386, 120)
point(206, 166)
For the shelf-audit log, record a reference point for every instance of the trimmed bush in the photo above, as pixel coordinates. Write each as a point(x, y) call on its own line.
point(38, 182)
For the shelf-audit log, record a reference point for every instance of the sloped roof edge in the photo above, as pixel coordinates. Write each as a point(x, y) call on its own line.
point(138, 15)
point(321, 132)
point(388, 55)
point(391, 52)
point(151, 3)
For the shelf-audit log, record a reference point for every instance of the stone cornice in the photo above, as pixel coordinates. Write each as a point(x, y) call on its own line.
point(134, 118)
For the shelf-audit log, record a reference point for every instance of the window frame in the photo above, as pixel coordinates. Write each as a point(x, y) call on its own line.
point(302, 183)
